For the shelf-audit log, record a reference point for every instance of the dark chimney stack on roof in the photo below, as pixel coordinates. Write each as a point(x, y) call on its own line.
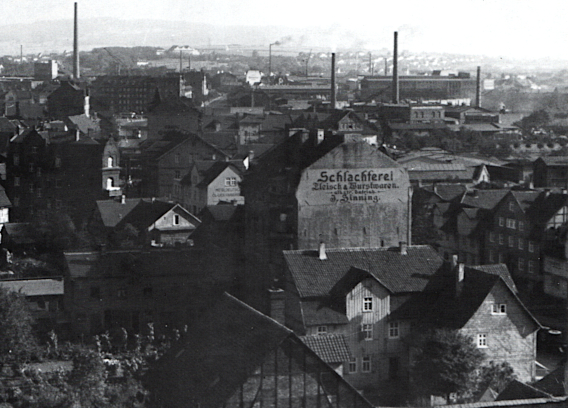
point(478, 89)
point(76, 73)
point(395, 87)
point(333, 91)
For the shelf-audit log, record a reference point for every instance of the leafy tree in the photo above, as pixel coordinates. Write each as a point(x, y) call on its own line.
point(446, 363)
point(495, 376)
point(87, 379)
point(18, 341)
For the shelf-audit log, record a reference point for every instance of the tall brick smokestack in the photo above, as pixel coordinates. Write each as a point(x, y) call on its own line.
point(333, 96)
point(395, 87)
point(76, 47)
point(478, 89)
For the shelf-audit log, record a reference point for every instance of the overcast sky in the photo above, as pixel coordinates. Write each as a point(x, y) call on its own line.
point(508, 28)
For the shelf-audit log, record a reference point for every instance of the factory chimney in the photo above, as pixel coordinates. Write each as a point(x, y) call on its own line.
point(333, 81)
point(76, 47)
point(478, 89)
point(395, 87)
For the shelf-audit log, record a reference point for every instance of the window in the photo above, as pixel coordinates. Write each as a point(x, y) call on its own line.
point(521, 243)
point(531, 246)
point(321, 330)
point(501, 258)
point(16, 160)
point(366, 364)
point(110, 161)
point(31, 167)
point(95, 292)
point(531, 267)
point(58, 162)
point(511, 206)
point(511, 242)
point(121, 293)
point(482, 340)
point(176, 219)
point(367, 304)
point(499, 308)
point(521, 226)
point(491, 256)
point(177, 175)
point(230, 181)
point(16, 181)
point(393, 330)
point(501, 221)
point(38, 192)
point(177, 158)
point(521, 265)
point(41, 304)
point(491, 236)
point(511, 223)
point(367, 330)
point(501, 239)
point(353, 365)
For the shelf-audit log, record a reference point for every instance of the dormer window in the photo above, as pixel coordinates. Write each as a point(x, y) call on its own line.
point(368, 304)
point(321, 330)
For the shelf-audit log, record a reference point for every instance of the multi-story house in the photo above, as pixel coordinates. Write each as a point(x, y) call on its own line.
point(210, 183)
point(379, 299)
point(68, 100)
point(129, 288)
point(311, 188)
point(64, 175)
point(510, 237)
point(551, 171)
point(167, 161)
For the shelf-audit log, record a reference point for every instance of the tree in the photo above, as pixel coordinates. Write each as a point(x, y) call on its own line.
point(445, 363)
point(495, 376)
point(87, 380)
point(18, 341)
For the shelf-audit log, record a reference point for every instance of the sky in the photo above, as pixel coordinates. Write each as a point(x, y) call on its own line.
point(499, 28)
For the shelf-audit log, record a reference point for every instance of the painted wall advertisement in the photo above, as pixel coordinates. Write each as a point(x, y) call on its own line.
point(353, 186)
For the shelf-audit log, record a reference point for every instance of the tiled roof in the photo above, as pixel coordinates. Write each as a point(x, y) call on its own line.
point(34, 287)
point(113, 211)
point(447, 192)
point(401, 273)
point(445, 175)
point(554, 383)
point(499, 270)
point(331, 348)
point(517, 390)
point(555, 160)
point(221, 212)
point(525, 198)
point(421, 166)
point(4, 200)
point(146, 213)
point(486, 199)
point(316, 312)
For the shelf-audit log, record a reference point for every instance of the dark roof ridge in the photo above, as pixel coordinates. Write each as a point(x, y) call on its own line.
point(353, 249)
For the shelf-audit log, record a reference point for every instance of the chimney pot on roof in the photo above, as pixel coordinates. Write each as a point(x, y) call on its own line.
point(123, 199)
point(454, 261)
point(321, 252)
point(403, 248)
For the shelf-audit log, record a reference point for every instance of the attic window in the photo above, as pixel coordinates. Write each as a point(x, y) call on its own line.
point(511, 206)
point(322, 330)
point(368, 304)
point(176, 219)
point(498, 309)
point(230, 181)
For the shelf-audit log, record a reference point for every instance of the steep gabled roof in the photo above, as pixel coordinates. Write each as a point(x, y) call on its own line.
point(113, 211)
point(323, 311)
point(215, 170)
point(517, 390)
point(400, 273)
point(486, 199)
point(554, 383)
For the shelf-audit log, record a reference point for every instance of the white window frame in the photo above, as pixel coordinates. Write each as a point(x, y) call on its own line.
point(521, 245)
point(230, 181)
point(491, 255)
point(176, 219)
point(521, 226)
point(491, 236)
point(366, 365)
point(531, 266)
point(352, 365)
point(498, 308)
point(511, 223)
point(521, 265)
point(482, 340)
point(394, 330)
point(367, 304)
point(321, 330)
point(367, 330)
point(501, 221)
point(511, 206)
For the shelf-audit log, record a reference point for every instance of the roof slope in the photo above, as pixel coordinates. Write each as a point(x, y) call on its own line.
point(399, 273)
point(331, 348)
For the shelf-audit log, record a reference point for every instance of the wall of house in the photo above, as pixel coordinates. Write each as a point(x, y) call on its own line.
point(292, 376)
point(511, 337)
point(376, 348)
point(220, 190)
point(334, 206)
